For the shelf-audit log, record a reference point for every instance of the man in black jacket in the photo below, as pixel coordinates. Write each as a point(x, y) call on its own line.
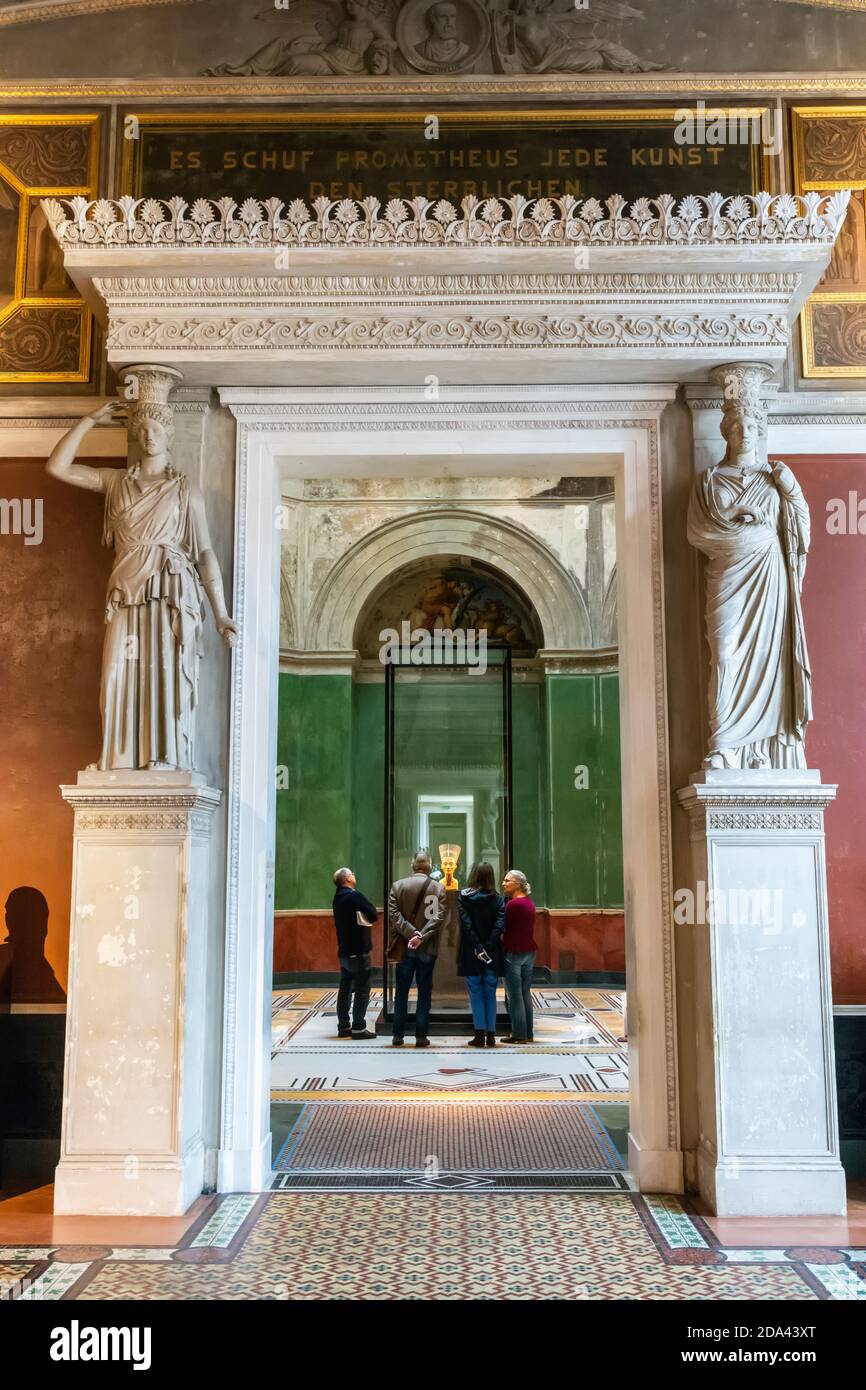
point(354, 946)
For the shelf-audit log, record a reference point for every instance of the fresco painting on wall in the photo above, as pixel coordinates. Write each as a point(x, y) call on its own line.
point(458, 599)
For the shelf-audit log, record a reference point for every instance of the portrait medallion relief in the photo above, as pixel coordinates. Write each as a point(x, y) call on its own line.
point(442, 36)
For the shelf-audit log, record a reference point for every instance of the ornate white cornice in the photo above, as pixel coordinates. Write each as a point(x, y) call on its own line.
point(541, 290)
point(516, 221)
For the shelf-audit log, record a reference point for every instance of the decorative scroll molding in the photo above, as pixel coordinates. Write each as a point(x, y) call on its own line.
point(530, 330)
point(713, 220)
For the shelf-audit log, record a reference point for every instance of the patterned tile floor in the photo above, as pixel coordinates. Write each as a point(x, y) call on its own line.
point(579, 1051)
point(467, 1145)
point(444, 1229)
point(437, 1245)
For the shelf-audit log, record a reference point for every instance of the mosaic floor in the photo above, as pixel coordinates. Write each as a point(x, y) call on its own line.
point(579, 1051)
point(365, 1116)
point(437, 1245)
point(466, 1145)
point(442, 1174)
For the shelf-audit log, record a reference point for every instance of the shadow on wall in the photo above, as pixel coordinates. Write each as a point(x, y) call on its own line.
point(26, 977)
point(32, 1029)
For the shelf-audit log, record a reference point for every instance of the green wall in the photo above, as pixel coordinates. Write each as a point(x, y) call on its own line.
point(583, 824)
point(567, 841)
point(368, 789)
point(314, 814)
point(528, 785)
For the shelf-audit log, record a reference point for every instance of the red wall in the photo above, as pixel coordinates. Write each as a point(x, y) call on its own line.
point(566, 941)
point(834, 601)
point(51, 629)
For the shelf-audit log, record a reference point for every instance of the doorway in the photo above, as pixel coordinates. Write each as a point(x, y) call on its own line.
point(588, 424)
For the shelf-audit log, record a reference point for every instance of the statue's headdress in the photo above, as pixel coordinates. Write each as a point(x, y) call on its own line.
point(147, 389)
point(742, 386)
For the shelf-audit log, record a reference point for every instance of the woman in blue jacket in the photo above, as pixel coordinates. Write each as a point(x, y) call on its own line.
point(480, 962)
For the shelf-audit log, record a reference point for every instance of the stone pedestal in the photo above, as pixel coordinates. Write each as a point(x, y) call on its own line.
point(133, 1090)
point(449, 990)
point(758, 907)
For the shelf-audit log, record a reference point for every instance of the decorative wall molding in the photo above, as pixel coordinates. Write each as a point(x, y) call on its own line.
point(765, 820)
point(646, 332)
point(138, 820)
point(449, 91)
point(774, 809)
point(215, 290)
point(515, 221)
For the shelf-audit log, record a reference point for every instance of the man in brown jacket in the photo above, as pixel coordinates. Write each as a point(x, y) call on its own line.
point(416, 910)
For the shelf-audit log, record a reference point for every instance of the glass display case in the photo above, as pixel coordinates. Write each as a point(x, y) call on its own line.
point(447, 785)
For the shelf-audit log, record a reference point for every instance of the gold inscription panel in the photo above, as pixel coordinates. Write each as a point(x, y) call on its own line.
point(387, 154)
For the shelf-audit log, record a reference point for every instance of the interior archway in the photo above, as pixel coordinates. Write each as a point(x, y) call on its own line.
point(368, 566)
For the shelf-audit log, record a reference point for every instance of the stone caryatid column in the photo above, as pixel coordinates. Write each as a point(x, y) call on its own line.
point(758, 900)
point(132, 1137)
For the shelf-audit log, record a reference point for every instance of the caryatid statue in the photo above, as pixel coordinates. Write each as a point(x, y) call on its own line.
point(750, 519)
point(154, 612)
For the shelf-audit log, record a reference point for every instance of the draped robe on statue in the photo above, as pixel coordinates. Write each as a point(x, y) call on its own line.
point(154, 612)
point(760, 683)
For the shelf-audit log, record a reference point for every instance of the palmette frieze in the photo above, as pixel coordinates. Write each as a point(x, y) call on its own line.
point(289, 331)
point(517, 221)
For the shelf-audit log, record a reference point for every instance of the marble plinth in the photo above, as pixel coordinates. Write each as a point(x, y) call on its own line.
point(133, 1091)
point(758, 907)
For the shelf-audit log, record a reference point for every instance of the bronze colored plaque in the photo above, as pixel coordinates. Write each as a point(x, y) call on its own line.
point(42, 342)
point(838, 336)
point(585, 153)
point(45, 326)
point(829, 148)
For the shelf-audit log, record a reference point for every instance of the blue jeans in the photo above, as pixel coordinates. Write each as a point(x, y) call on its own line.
point(417, 966)
point(482, 997)
point(518, 979)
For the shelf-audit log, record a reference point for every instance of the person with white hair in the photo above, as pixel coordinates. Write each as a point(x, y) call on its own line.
point(518, 943)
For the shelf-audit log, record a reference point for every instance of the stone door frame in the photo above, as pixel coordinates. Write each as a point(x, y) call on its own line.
point(504, 431)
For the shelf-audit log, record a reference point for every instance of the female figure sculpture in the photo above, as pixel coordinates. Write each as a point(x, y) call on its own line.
point(751, 521)
point(155, 520)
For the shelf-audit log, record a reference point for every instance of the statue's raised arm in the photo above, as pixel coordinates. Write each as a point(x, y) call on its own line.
point(61, 461)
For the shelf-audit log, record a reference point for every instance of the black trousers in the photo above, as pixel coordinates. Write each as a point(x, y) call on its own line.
point(355, 987)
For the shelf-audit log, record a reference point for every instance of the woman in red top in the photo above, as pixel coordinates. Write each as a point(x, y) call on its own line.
point(518, 944)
